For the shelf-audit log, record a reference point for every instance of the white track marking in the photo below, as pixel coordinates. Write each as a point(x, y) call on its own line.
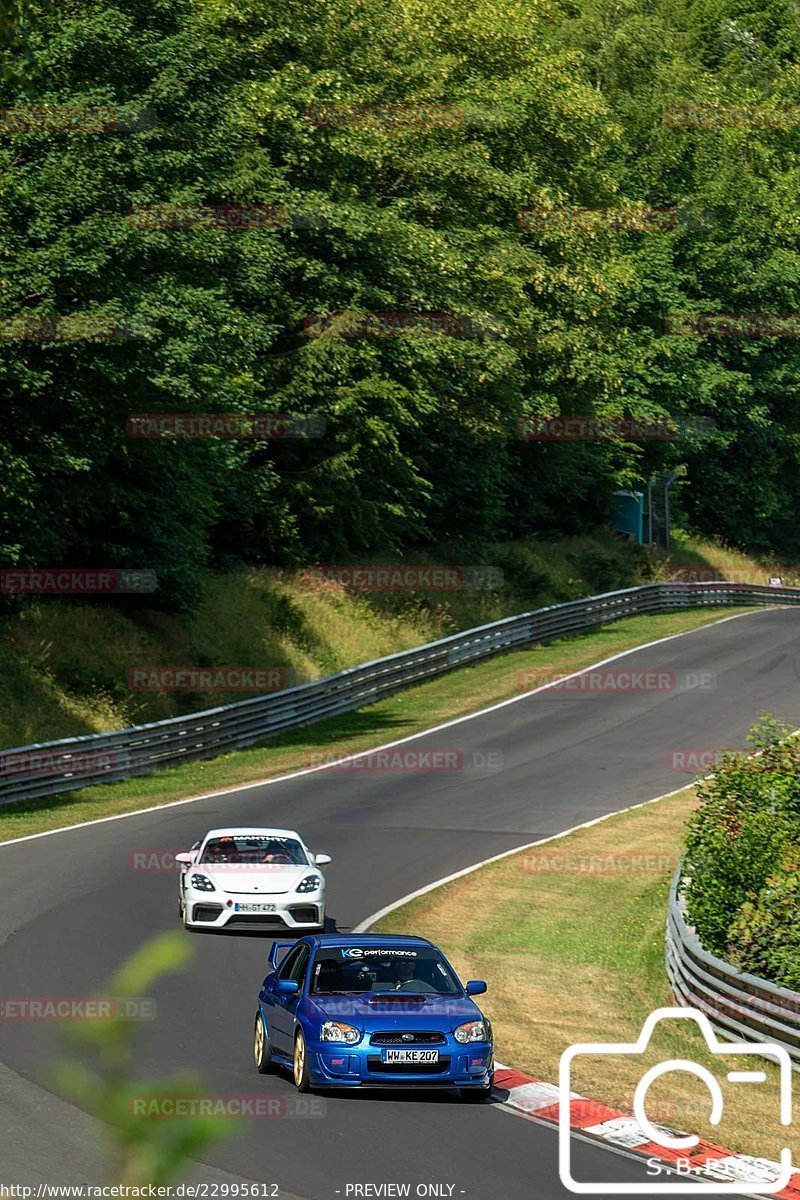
point(554, 837)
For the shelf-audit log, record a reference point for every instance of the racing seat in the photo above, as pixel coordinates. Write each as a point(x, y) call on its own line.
point(329, 978)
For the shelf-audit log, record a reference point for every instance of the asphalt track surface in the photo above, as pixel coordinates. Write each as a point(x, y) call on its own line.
point(72, 909)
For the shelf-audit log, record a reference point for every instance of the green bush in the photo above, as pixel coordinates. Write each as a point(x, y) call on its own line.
point(740, 848)
point(765, 937)
point(607, 572)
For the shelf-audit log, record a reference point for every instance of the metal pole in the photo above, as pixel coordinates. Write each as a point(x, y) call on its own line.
point(650, 511)
point(667, 485)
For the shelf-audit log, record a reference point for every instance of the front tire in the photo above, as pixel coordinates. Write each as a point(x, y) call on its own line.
point(302, 1076)
point(475, 1095)
point(261, 1050)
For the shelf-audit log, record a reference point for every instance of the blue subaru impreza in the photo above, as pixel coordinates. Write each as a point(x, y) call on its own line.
point(372, 1011)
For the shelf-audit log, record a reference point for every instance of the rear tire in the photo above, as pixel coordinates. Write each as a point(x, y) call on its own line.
point(300, 1071)
point(261, 1049)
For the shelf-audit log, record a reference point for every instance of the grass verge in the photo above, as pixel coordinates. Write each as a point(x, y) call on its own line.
point(78, 666)
point(453, 695)
point(582, 960)
point(66, 664)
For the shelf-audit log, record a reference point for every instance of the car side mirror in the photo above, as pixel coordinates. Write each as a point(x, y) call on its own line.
point(185, 859)
point(476, 987)
point(320, 860)
point(288, 987)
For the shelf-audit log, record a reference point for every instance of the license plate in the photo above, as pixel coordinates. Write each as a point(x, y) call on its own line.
point(411, 1056)
point(256, 908)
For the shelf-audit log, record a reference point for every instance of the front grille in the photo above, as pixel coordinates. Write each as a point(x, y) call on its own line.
point(378, 1067)
point(206, 912)
point(399, 1037)
point(258, 895)
point(273, 921)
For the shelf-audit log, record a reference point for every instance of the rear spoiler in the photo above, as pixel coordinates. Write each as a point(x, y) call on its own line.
point(275, 950)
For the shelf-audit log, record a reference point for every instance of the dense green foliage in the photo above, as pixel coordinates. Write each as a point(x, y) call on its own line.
point(558, 105)
point(743, 859)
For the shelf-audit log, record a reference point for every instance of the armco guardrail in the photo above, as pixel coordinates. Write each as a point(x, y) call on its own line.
point(47, 768)
point(741, 1007)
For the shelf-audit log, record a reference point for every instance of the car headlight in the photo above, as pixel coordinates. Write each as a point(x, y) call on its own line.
point(202, 883)
point(337, 1031)
point(474, 1031)
point(309, 884)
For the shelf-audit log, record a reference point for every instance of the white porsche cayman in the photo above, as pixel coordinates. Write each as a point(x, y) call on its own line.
point(256, 878)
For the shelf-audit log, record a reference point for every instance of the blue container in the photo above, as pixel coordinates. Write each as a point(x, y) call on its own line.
point(627, 514)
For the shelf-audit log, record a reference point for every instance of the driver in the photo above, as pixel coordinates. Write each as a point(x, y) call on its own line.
point(405, 973)
point(275, 853)
point(223, 850)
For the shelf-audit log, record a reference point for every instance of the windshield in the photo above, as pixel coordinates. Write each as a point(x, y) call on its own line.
point(348, 970)
point(254, 851)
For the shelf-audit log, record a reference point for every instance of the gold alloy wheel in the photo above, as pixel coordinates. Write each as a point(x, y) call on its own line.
point(258, 1042)
point(299, 1059)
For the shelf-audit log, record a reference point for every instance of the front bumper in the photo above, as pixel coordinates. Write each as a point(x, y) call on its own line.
point(459, 1066)
point(220, 910)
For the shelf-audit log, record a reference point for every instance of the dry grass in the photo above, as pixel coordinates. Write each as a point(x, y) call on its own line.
point(576, 954)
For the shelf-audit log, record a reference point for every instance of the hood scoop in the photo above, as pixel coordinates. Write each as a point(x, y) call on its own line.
point(391, 998)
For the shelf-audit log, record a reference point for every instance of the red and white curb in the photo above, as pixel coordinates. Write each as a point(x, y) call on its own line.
point(535, 1098)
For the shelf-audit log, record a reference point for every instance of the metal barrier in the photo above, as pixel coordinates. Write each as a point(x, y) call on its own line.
point(46, 768)
point(741, 1007)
